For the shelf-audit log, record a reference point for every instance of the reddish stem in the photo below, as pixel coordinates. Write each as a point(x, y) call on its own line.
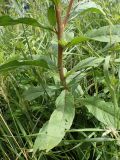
point(60, 48)
point(60, 29)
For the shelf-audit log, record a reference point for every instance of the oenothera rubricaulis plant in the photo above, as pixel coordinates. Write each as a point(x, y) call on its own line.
point(61, 119)
point(53, 131)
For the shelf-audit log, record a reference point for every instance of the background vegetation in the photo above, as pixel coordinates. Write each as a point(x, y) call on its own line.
point(30, 83)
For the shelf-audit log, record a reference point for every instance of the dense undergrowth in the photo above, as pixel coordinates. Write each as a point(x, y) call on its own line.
point(30, 82)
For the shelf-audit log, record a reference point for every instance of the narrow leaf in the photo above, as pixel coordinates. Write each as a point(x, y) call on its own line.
point(20, 63)
point(77, 40)
point(105, 34)
point(7, 20)
point(52, 15)
point(110, 34)
point(88, 62)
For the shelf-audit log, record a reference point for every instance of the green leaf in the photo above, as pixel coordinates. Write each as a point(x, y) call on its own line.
point(83, 7)
point(103, 111)
point(8, 66)
point(51, 15)
point(105, 34)
point(60, 120)
point(110, 34)
point(33, 93)
point(77, 40)
point(7, 20)
point(88, 62)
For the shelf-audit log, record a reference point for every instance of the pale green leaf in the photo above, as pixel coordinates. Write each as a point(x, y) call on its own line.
point(110, 34)
point(103, 111)
point(105, 34)
point(33, 93)
point(86, 6)
point(60, 120)
point(88, 62)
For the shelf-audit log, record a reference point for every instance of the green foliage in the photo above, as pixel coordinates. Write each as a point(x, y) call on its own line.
point(40, 118)
point(7, 20)
point(105, 112)
point(33, 93)
point(87, 6)
point(52, 15)
point(61, 119)
point(20, 63)
point(110, 34)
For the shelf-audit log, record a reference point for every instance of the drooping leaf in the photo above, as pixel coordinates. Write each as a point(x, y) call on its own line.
point(86, 6)
point(103, 111)
point(51, 15)
point(105, 34)
point(7, 21)
point(60, 120)
point(8, 66)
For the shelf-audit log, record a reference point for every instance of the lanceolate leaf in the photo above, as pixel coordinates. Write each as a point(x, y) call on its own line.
point(60, 120)
point(110, 34)
point(7, 20)
point(103, 111)
point(20, 63)
point(105, 34)
point(77, 40)
point(88, 62)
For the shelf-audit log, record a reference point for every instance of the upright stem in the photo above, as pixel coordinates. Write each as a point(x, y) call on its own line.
point(60, 48)
point(60, 29)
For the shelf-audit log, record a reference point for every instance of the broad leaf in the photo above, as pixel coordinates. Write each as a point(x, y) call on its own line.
point(20, 63)
point(7, 20)
point(60, 120)
point(103, 111)
point(105, 34)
